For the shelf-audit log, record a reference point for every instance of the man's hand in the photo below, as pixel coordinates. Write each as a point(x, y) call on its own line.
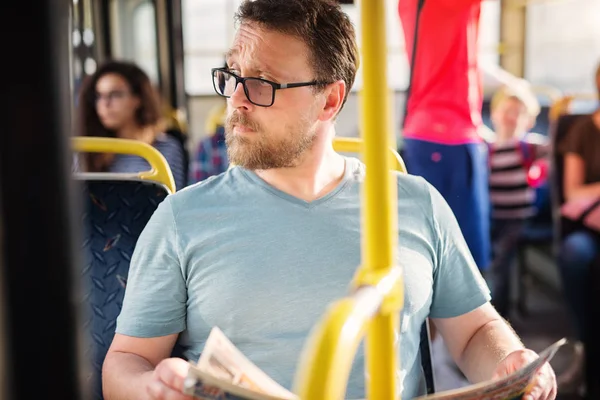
point(543, 386)
point(166, 381)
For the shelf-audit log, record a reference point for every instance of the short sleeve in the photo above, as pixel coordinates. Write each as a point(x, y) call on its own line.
point(574, 141)
point(458, 286)
point(156, 293)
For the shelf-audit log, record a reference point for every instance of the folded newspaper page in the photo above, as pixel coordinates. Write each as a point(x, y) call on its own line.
point(510, 387)
point(224, 373)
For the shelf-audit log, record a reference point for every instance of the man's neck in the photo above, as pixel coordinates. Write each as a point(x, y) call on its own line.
point(317, 174)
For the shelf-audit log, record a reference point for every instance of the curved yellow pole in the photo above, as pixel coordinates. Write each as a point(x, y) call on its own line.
point(552, 93)
point(563, 105)
point(325, 369)
point(355, 145)
point(160, 170)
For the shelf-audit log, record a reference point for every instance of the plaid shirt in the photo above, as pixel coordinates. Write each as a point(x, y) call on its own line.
point(210, 158)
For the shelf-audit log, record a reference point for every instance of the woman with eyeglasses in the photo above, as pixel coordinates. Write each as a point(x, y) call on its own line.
point(118, 101)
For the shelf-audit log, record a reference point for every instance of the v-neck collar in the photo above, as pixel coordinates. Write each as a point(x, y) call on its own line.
point(351, 164)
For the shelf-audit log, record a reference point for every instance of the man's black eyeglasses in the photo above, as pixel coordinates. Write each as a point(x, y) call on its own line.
point(260, 92)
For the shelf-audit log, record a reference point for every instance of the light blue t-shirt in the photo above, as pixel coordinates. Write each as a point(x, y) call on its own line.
point(263, 266)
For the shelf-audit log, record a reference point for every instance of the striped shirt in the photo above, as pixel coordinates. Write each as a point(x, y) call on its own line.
point(510, 194)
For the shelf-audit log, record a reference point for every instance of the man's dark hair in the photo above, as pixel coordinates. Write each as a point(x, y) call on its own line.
point(321, 24)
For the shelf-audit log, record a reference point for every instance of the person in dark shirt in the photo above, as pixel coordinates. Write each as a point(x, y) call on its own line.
point(580, 248)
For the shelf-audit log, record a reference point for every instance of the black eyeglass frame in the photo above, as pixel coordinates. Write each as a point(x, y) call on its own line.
point(276, 86)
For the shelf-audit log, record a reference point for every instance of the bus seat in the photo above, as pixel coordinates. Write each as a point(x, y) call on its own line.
point(426, 358)
point(176, 126)
point(544, 233)
point(542, 122)
point(175, 119)
point(116, 208)
point(114, 214)
point(183, 162)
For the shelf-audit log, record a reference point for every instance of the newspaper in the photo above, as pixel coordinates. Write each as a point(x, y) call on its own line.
point(224, 373)
point(510, 387)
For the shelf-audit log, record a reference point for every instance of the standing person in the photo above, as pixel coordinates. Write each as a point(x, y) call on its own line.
point(440, 134)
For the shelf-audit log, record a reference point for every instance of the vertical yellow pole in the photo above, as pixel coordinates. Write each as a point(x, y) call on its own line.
point(380, 215)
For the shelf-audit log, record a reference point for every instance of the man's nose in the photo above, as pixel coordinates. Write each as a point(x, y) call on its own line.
point(238, 98)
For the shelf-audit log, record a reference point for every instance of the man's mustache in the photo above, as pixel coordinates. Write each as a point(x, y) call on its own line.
point(241, 119)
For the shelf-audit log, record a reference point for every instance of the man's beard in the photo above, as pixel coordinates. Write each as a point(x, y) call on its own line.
point(264, 152)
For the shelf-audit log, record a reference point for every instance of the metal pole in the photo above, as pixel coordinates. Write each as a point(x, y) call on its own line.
point(176, 55)
point(380, 212)
point(38, 202)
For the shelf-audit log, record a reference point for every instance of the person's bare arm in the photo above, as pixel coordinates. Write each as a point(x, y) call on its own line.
point(485, 347)
point(478, 341)
point(140, 368)
point(574, 185)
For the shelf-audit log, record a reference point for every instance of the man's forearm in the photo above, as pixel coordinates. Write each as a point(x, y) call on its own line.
point(488, 346)
point(124, 375)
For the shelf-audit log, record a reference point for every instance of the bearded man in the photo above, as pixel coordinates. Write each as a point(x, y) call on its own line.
point(261, 250)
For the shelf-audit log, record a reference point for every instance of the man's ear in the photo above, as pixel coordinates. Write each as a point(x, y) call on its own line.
point(334, 93)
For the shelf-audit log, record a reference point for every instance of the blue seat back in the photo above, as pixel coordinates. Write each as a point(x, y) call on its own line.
point(115, 213)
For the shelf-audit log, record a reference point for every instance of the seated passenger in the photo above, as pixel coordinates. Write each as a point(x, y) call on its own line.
point(263, 249)
point(118, 101)
point(210, 157)
point(581, 247)
point(512, 198)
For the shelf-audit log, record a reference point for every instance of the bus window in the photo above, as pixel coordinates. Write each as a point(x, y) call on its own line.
point(133, 35)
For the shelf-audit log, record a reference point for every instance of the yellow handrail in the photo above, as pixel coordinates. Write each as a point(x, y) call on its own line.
point(335, 344)
point(563, 104)
point(326, 360)
point(355, 145)
point(160, 170)
point(552, 93)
